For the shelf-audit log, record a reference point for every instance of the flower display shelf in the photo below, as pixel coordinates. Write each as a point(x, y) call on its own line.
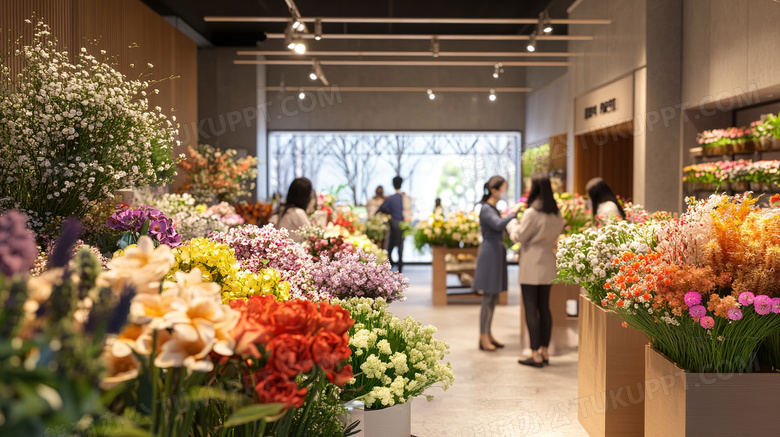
point(395, 421)
point(610, 374)
point(680, 403)
point(564, 327)
point(440, 272)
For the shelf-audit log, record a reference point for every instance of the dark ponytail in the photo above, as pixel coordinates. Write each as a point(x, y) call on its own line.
point(493, 183)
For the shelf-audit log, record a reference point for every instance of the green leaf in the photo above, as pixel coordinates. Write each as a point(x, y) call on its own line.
point(127, 239)
point(145, 228)
point(253, 413)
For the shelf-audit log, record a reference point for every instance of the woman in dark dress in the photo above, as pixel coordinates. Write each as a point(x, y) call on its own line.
point(490, 276)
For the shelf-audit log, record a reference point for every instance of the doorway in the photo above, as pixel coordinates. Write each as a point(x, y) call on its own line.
point(607, 153)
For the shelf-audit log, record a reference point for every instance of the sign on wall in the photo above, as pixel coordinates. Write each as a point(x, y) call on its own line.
point(607, 106)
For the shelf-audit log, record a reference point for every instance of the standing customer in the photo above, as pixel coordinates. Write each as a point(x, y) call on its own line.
point(292, 215)
point(373, 204)
point(537, 232)
point(490, 275)
point(603, 200)
point(399, 207)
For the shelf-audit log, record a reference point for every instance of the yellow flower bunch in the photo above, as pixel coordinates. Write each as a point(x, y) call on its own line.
point(216, 261)
point(451, 231)
point(361, 242)
point(247, 284)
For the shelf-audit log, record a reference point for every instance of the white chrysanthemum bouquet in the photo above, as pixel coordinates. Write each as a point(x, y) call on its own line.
point(393, 360)
point(72, 133)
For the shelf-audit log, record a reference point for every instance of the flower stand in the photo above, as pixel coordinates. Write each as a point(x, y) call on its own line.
point(441, 270)
point(610, 374)
point(680, 403)
point(395, 421)
point(564, 328)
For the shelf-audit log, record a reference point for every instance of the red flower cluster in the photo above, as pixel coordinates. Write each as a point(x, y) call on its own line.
point(344, 221)
point(331, 245)
point(291, 338)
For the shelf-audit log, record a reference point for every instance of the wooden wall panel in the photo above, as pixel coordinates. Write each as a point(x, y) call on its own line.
point(129, 32)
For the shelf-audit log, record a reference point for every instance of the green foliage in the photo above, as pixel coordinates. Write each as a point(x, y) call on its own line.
point(536, 160)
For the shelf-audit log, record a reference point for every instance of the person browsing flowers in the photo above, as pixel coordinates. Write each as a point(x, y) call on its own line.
point(537, 232)
point(490, 276)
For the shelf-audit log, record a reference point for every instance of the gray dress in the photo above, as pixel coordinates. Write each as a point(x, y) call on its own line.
point(490, 276)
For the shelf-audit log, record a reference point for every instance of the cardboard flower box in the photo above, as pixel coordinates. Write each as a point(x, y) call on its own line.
point(610, 374)
point(680, 403)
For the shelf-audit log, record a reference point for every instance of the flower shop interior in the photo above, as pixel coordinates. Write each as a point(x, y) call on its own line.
point(193, 241)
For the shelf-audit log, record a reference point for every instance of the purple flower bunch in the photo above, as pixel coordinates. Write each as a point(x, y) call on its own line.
point(17, 244)
point(257, 248)
point(161, 228)
point(347, 275)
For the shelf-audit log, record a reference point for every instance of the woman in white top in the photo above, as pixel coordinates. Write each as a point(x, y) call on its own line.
point(537, 232)
point(292, 215)
point(603, 200)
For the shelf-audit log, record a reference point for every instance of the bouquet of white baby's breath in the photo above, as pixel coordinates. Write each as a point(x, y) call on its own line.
point(588, 258)
point(71, 134)
point(393, 360)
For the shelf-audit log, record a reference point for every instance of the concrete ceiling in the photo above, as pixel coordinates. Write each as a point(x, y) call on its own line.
point(249, 34)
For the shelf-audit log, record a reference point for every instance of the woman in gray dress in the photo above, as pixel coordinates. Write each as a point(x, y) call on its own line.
point(490, 275)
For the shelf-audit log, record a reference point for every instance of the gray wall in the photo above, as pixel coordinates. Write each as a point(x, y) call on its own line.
point(398, 111)
point(227, 101)
point(618, 48)
point(548, 112)
point(729, 47)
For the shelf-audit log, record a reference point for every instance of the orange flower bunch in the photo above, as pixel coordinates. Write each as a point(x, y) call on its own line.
point(213, 172)
point(746, 245)
point(257, 214)
point(661, 284)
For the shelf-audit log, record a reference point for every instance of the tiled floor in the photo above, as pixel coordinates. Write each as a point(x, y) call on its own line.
point(492, 395)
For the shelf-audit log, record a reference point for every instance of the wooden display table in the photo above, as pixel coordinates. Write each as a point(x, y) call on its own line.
point(441, 269)
point(564, 328)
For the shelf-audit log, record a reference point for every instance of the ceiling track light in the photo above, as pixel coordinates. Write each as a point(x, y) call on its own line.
point(435, 46)
point(301, 94)
point(532, 43)
point(431, 95)
point(318, 29)
point(545, 23)
point(300, 47)
point(288, 38)
point(492, 95)
point(498, 69)
point(316, 72)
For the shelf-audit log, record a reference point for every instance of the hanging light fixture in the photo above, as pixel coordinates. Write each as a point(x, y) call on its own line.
point(431, 95)
point(498, 69)
point(288, 38)
point(317, 29)
point(435, 46)
point(544, 22)
point(492, 95)
point(313, 75)
point(532, 43)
